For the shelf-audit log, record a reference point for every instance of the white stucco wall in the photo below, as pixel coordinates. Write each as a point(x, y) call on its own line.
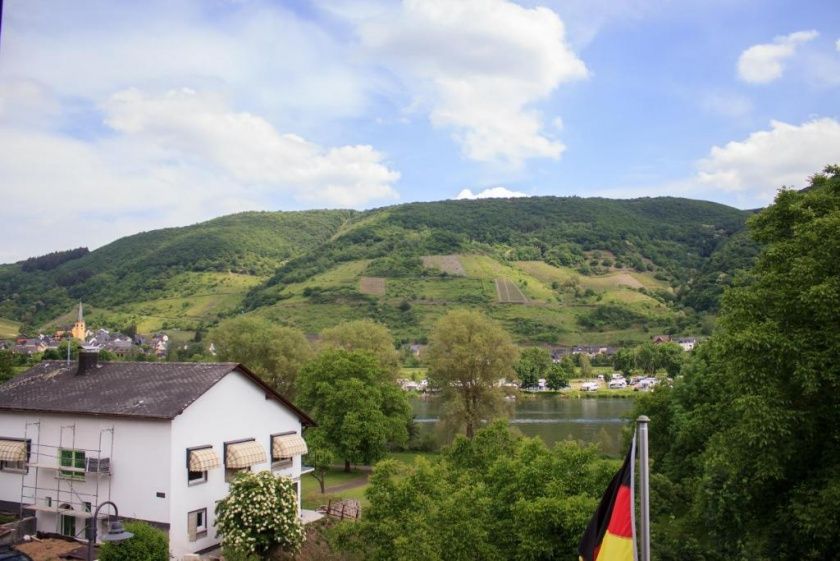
point(139, 465)
point(234, 409)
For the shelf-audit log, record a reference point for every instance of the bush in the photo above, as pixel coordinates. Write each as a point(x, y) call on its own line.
point(259, 515)
point(148, 544)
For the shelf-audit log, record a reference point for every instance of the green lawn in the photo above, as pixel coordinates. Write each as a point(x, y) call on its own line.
point(311, 491)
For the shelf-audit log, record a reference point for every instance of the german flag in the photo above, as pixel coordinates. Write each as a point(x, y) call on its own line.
point(609, 536)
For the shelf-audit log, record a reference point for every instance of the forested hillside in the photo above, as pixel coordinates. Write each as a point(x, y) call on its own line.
point(551, 269)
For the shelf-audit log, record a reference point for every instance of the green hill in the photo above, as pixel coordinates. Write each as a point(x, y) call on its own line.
point(551, 269)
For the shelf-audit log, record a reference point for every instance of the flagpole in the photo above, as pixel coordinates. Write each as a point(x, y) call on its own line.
point(644, 523)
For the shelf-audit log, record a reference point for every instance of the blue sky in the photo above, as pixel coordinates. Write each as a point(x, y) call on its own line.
point(118, 117)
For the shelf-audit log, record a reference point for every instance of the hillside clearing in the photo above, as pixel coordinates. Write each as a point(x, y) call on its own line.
point(372, 285)
point(8, 328)
point(508, 292)
point(449, 264)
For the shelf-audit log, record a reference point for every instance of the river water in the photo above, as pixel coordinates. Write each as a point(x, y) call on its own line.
point(552, 418)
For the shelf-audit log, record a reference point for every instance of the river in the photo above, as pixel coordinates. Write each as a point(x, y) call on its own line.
point(553, 418)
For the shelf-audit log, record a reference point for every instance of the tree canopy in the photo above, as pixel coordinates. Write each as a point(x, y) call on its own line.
point(363, 335)
point(534, 363)
point(468, 353)
point(273, 352)
point(746, 445)
point(494, 497)
point(358, 406)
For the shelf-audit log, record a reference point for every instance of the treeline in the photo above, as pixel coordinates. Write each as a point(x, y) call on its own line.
point(745, 456)
point(52, 260)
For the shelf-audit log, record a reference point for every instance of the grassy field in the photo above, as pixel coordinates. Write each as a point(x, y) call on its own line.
point(8, 328)
point(311, 491)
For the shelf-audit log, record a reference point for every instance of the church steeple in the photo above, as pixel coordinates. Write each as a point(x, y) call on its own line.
point(79, 330)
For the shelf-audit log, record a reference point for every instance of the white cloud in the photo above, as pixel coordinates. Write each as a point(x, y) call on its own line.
point(479, 66)
point(837, 45)
point(490, 193)
point(168, 160)
point(753, 169)
point(763, 63)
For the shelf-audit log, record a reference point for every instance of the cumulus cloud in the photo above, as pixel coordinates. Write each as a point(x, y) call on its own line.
point(764, 63)
point(490, 193)
point(479, 66)
point(837, 45)
point(169, 159)
point(754, 168)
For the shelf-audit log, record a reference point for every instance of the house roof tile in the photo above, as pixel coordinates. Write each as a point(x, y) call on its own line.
point(151, 390)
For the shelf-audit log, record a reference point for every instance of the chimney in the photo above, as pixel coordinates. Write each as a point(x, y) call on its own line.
point(88, 361)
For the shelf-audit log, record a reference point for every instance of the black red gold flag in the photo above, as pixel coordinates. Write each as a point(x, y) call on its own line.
point(609, 536)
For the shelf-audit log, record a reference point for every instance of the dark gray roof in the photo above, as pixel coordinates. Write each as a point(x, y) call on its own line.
point(152, 390)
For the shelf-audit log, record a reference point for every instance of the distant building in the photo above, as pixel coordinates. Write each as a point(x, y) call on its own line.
point(657, 339)
point(79, 331)
point(687, 343)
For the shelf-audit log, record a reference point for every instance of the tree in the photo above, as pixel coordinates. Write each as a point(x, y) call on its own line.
point(585, 365)
point(746, 440)
point(671, 357)
point(357, 405)
point(478, 501)
point(646, 358)
point(259, 516)
point(320, 456)
point(272, 352)
point(533, 364)
point(364, 335)
point(624, 361)
point(558, 376)
point(467, 354)
point(7, 368)
point(148, 544)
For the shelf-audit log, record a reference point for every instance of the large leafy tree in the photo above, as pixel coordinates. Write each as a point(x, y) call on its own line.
point(749, 436)
point(468, 353)
point(494, 497)
point(364, 335)
point(534, 363)
point(358, 406)
point(273, 352)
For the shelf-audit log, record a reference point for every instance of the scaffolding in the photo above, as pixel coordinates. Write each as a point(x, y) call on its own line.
point(63, 487)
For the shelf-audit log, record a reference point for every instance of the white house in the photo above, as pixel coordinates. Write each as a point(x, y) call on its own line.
point(160, 440)
point(688, 343)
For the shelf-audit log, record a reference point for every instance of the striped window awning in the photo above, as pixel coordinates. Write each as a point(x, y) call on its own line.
point(244, 454)
point(288, 446)
point(12, 450)
point(203, 459)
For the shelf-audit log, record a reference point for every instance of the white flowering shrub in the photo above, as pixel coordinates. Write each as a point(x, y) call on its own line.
point(260, 515)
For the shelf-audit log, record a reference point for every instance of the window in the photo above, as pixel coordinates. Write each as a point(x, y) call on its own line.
point(14, 455)
point(284, 447)
point(230, 473)
point(196, 477)
point(200, 460)
point(17, 467)
point(197, 524)
point(74, 462)
point(240, 455)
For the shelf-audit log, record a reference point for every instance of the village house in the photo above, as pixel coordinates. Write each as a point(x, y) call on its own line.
point(687, 343)
point(161, 440)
